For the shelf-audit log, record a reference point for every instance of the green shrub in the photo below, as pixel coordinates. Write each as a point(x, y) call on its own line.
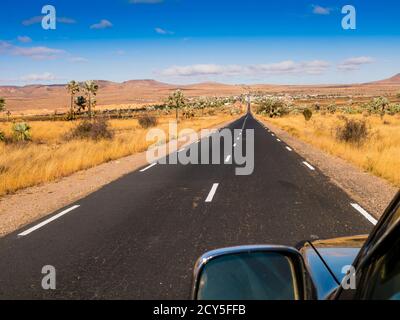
point(2, 104)
point(307, 113)
point(352, 131)
point(350, 110)
point(21, 131)
point(2, 136)
point(188, 114)
point(332, 108)
point(96, 130)
point(394, 108)
point(378, 105)
point(147, 121)
point(273, 107)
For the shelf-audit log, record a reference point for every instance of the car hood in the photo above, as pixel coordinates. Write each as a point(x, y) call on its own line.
point(328, 260)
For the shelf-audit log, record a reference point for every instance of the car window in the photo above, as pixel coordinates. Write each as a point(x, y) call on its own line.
point(382, 279)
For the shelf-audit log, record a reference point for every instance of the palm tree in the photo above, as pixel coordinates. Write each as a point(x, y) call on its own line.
point(73, 88)
point(91, 88)
point(177, 101)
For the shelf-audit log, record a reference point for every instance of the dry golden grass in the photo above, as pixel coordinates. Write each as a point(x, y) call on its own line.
point(379, 154)
point(51, 156)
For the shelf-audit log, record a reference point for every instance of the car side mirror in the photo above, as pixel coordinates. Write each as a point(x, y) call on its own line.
point(252, 273)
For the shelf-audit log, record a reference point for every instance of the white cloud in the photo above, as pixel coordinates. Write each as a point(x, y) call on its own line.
point(355, 63)
point(162, 31)
point(46, 76)
point(32, 20)
point(321, 10)
point(38, 19)
point(66, 20)
point(37, 53)
point(315, 67)
point(103, 24)
point(78, 59)
point(24, 39)
point(120, 52)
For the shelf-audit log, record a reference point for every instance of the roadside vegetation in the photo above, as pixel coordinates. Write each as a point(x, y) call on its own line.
point(35, 152)
point(366, 134)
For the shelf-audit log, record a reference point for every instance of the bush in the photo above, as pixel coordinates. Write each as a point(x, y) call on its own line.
point(393, 108)
point(352, 131)
point(307, 113)
point(21, 131)
point(2, 137)
point(317, 106)
point(378, 105)
point(332, 108)
point(96, 130)
point(147, 121)
point(274, 107)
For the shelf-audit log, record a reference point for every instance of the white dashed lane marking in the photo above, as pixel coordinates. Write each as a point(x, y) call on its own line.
point(364, 213)
point(213, 190)
point(147, 168)
point(309, 166)
point(42, 224)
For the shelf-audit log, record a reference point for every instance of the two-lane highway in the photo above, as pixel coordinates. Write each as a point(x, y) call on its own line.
point(139, 237)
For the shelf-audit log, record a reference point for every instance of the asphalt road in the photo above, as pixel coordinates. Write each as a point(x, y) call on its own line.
point(139, 237)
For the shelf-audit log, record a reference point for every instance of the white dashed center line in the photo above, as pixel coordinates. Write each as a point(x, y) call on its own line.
point(290, 149)
point(364, 213)
point(212, 192)
point(228, 158)
point(235, 145)
point(308, 165)
point(147, 168)
point(278, 140)
point(40, 225)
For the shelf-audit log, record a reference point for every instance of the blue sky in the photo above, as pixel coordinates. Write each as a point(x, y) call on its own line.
point(186, 41)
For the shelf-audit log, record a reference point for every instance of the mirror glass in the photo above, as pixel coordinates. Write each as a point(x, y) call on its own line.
point(248, 276)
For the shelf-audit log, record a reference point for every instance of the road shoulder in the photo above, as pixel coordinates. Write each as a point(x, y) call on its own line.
point(372, 193)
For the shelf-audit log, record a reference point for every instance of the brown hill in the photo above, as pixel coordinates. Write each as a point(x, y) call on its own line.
point(135, 93)
point(395, 80)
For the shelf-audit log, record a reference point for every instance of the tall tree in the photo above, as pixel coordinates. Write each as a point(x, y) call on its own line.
point(73, 88)
point(177, 101)
point(91, 88)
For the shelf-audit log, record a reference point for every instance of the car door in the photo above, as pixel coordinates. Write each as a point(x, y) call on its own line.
point(376, 270)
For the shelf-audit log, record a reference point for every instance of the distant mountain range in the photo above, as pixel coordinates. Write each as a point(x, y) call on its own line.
point(139, 92)
point(395, 80)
